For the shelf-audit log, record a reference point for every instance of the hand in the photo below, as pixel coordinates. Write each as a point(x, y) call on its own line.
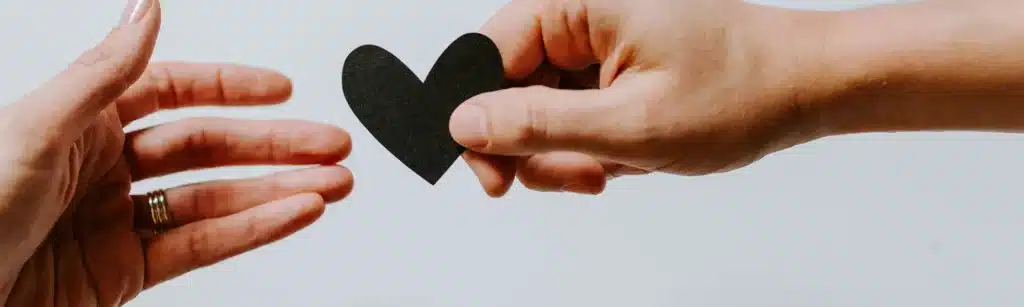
point(614, 87)
point(70, 233)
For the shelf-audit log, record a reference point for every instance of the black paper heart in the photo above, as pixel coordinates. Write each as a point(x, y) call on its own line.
point(410, 117)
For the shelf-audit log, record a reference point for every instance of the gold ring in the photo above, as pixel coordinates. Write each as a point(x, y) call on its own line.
point(159, 213)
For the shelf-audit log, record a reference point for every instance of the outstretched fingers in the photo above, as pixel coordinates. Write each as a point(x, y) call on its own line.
point(199, 143)
point(173, 85)
point(219, 198)
point(206, 242)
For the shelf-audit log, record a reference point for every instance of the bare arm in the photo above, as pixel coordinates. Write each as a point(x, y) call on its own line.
point(693, 87)
point(938, 65)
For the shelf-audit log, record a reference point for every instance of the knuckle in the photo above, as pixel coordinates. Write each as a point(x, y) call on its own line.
point(523, 133)
point(198, 248)
point(218, 85)
point(531, 125)
point(161, 84)
point(203, 203)
point(276, 185)
point(250, 234)
point(199, 143)
point(278, 146)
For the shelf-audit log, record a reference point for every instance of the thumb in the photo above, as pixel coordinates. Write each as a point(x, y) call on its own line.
point(536, 119)
point(66, 104)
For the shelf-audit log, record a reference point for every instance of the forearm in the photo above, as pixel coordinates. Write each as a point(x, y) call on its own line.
point(933, 65)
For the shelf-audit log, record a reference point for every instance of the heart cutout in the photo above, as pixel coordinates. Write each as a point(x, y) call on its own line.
point(410, 117)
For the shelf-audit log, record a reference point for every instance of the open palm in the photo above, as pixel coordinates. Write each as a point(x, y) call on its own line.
point(70, 231)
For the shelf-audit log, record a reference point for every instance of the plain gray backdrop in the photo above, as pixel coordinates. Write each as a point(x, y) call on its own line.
point(922, 219)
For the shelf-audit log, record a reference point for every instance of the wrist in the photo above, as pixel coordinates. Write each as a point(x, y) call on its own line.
point(795, 69)
point(919, 66)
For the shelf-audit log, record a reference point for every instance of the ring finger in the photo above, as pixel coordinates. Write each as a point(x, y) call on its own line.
point(214, 199)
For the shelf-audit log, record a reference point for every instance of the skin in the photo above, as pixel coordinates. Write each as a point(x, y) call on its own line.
point(68, 223)
point(609, 88)
point(696, 87)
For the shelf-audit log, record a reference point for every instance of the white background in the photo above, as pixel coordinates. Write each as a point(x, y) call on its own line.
point(869, 220)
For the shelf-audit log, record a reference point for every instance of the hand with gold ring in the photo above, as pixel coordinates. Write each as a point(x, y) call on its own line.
point(71, 234)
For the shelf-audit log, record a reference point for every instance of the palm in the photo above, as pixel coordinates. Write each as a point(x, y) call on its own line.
point(95, 252)
point(77, 242)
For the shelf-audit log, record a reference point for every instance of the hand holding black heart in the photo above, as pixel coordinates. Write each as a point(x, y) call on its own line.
point(409, 117)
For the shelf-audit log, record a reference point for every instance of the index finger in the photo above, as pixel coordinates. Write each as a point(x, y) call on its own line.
point(173, 85)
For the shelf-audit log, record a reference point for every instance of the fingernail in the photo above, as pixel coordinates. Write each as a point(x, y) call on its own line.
point(134, 11)
point(469, 126)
